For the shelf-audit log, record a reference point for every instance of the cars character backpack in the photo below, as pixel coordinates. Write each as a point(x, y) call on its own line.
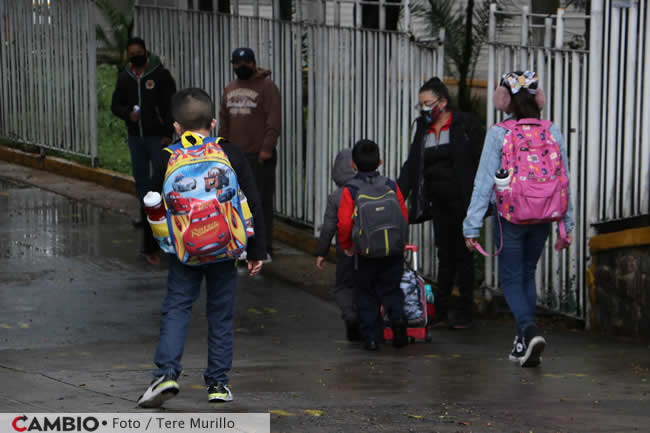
point(539, 186)
point(208, 216)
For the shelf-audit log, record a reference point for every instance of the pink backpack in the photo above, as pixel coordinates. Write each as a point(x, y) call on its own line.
point(539, 185)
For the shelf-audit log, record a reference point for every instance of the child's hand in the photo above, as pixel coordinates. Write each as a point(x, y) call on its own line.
point(561, 244)
point(134, 116)
point(254, 267)
point(349, 252)
point(320, 262)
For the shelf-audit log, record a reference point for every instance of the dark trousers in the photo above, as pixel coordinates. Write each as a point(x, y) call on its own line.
point(455, 263)
point(183, 289)
point(144, 150)
point(345, 292)
point(522, 246)
point(265, 179)
point(377, 281)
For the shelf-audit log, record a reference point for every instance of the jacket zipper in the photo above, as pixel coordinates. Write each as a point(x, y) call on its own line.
point(140, 105)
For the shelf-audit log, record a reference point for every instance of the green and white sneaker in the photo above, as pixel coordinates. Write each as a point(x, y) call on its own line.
point(219, 393)
point(161, 389)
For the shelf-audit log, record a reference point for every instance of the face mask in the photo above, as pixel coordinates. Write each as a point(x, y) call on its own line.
point(244, 72)
point(138, 61)
point(432, 114)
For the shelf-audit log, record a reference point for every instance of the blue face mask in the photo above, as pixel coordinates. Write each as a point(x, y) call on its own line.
point(432, 114)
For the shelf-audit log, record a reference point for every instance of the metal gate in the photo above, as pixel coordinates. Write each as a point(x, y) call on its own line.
point(598, 96)
point(563, 73)
point(338, 85)
point(47, 65)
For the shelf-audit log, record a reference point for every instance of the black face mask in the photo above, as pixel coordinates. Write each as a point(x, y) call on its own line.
point(244, 72)
point(138, 61)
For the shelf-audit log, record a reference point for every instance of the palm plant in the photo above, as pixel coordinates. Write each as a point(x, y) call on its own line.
point(120, 20)
point(466, 32)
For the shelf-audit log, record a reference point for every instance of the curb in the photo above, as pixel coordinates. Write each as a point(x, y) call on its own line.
point(63, 167)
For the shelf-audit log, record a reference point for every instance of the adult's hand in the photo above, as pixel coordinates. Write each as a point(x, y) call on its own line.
point(165, 141)
point(254, 267)
point(134, 116)
point(470, 243)
point(264, 155)
point(320, 262)
point(349, 252)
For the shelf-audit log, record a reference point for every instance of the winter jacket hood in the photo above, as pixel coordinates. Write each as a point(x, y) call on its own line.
point(342, 171)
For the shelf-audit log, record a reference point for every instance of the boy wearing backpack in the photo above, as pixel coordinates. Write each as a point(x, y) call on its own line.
point(373, 227)
point(204, 181)
point(344, 292)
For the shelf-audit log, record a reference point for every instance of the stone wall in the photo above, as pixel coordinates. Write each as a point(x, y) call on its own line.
point(620, 287)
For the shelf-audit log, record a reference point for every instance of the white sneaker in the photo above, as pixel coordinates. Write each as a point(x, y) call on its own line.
point(243, 257)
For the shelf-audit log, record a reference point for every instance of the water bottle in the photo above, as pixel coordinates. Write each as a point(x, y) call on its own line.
point(154, 208)
point(502, 180)
point(428, 293)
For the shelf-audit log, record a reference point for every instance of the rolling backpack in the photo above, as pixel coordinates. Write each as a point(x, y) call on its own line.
point(539, 185)
point(379, 227)
point(208, 216)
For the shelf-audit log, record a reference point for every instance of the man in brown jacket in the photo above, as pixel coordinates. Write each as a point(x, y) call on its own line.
point(251, 117)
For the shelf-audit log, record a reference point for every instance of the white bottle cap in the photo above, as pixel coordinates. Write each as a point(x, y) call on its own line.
point(152, 199)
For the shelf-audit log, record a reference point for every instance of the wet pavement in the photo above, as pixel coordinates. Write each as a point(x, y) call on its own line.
point(79, 318)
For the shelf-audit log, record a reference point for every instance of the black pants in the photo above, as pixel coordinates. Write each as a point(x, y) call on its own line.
point(456, 263)
point(345, 292)
point(377, 282)
point(265, 179)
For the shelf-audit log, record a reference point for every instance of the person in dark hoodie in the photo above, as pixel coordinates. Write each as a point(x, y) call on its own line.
point(142, 98)
point(251, 116)
point(344, 293)
point(439, 177)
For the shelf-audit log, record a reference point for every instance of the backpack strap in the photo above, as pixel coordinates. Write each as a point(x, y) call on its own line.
point(480, 249)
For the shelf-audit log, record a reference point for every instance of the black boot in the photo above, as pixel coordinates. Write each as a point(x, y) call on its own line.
point(352, 331)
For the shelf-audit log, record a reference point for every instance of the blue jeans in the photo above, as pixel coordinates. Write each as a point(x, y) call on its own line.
point(522, 247)
point(183, 288)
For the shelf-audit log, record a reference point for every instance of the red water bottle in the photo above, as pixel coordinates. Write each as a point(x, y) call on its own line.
point(154, 207)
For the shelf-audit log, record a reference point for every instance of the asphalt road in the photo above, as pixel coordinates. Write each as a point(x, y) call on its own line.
point(79, 318)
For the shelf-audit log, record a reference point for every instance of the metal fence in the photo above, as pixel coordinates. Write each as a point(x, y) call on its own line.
point(619, 110)
point(601, 120)
point(47, 65)
point(337, 84)
point(563, 74)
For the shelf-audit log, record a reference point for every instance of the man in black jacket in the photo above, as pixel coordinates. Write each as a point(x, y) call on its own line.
point(142, 98)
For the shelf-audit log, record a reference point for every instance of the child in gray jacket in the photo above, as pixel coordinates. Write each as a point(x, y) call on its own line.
point(344, 292)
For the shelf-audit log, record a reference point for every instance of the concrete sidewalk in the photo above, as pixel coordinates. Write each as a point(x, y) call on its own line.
point(79, 322)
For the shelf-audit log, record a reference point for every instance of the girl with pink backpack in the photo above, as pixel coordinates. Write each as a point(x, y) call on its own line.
point(524, 175)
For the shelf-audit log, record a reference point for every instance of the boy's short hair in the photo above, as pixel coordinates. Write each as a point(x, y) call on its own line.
point(365, 155)
point(193, 109)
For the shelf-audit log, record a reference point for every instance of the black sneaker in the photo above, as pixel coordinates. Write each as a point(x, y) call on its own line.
point(400, 336)
point(219, 393)
point(518, 350)
point(352, 331)
point(161, 389)
point(534, 344)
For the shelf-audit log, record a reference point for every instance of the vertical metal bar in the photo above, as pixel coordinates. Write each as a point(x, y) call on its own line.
point(492, 80)
point(612, 123)
point(628, 146)
point(524, 36)
point(92, 66)
point(382, 15)
point(644, 153)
